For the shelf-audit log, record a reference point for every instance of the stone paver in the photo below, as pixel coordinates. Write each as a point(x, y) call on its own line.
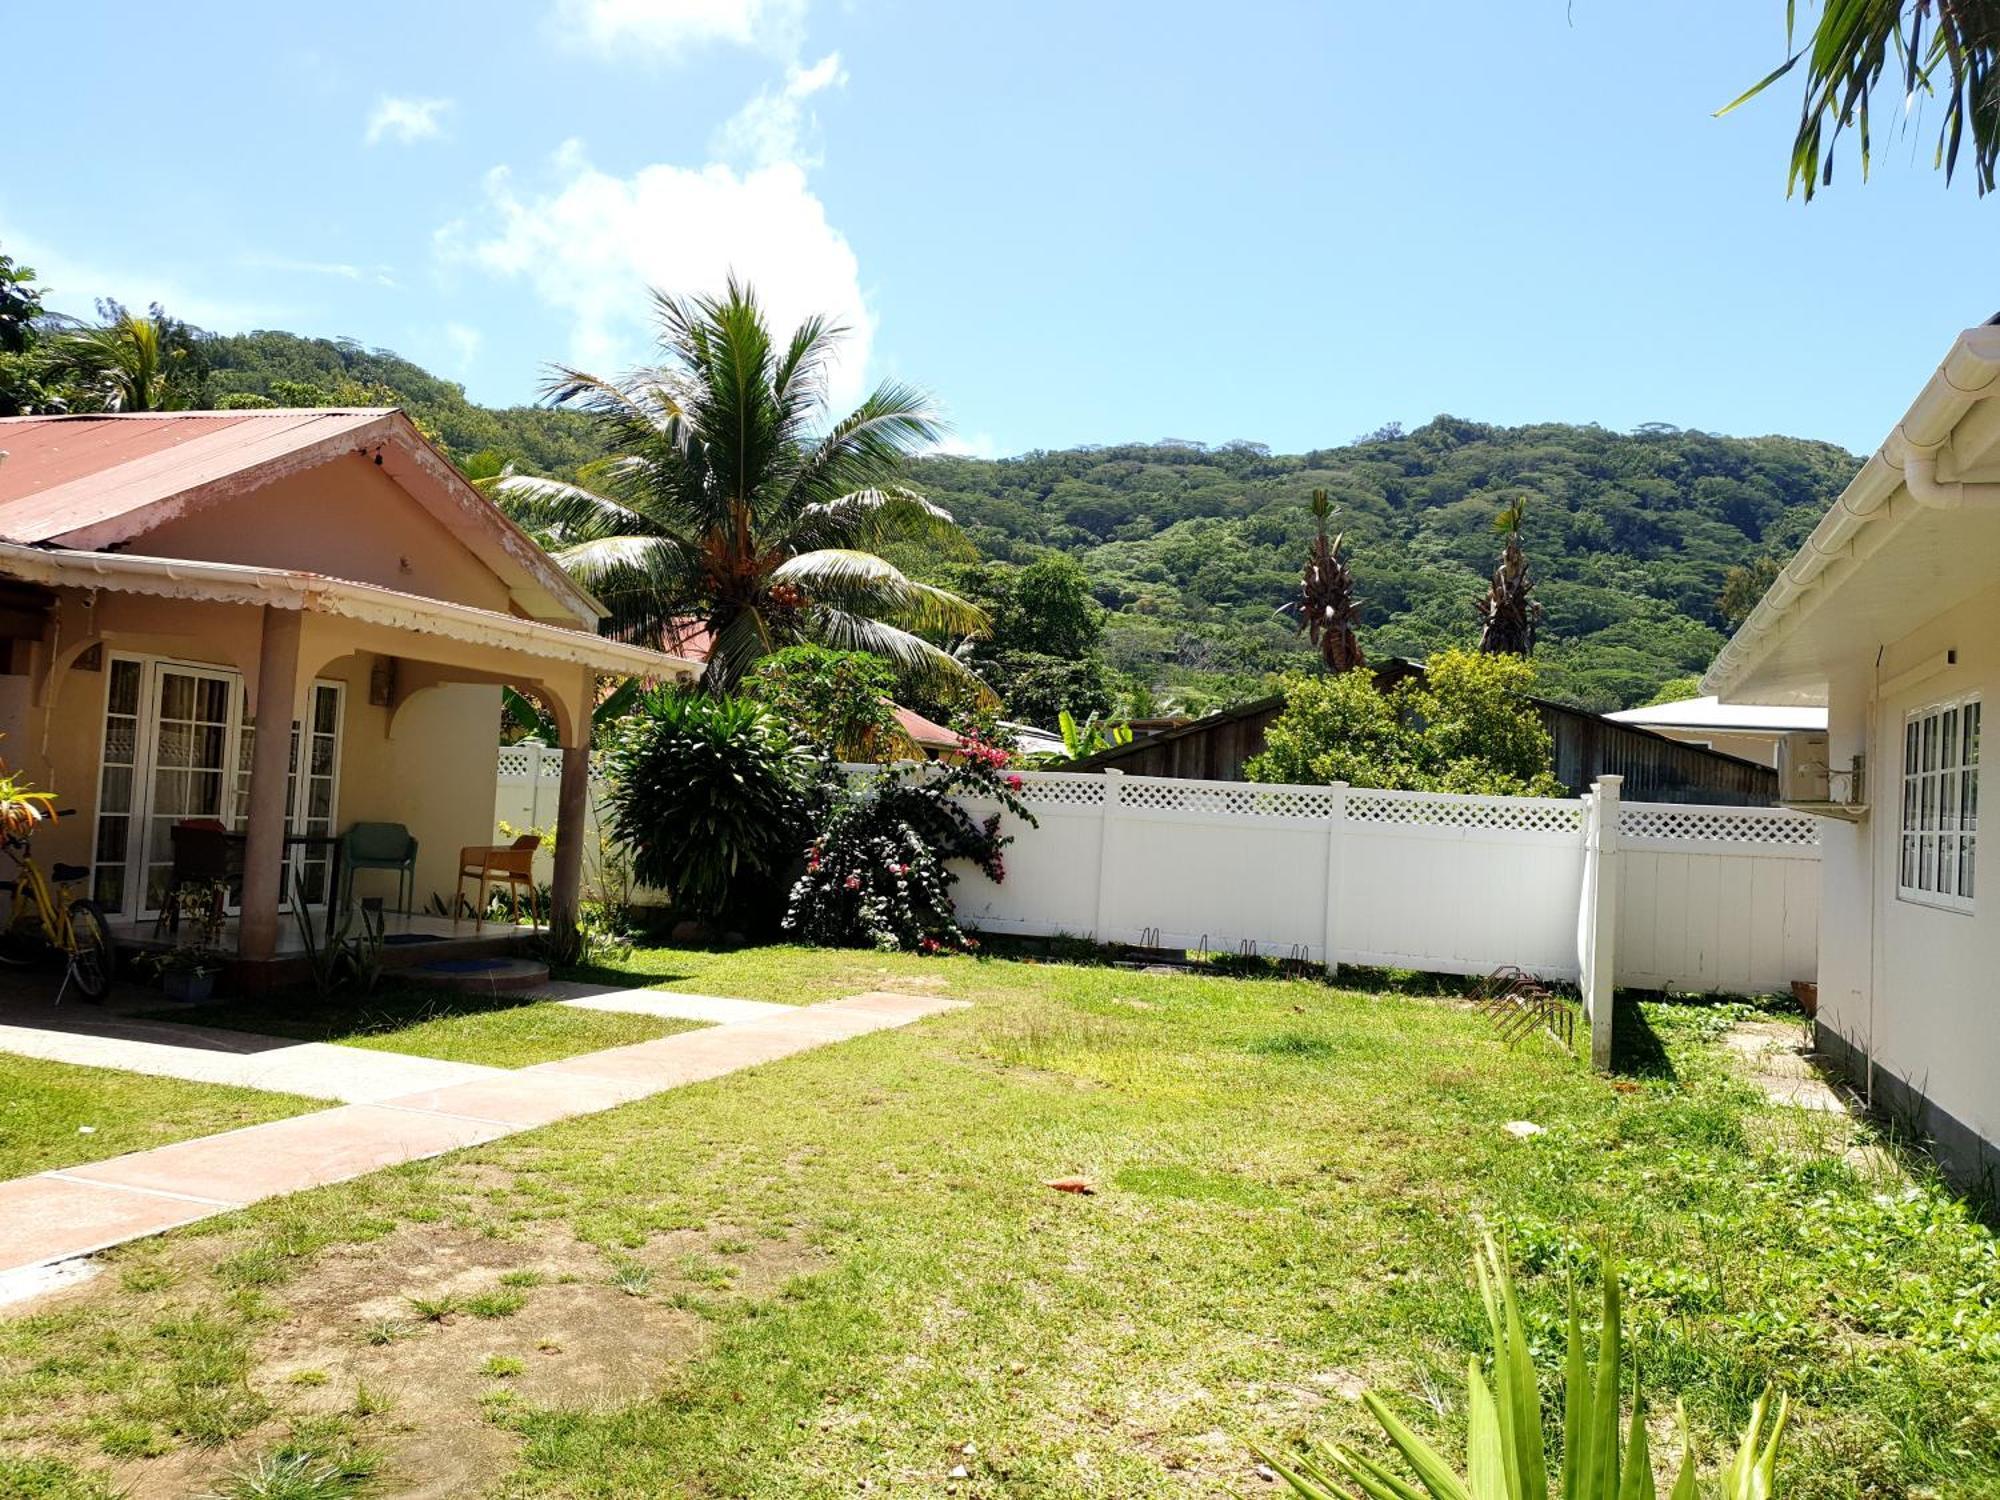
point(52, 1218)
point(720, 1010)
point(1776, 1061)
point(79, 1210)
point(202, 1054)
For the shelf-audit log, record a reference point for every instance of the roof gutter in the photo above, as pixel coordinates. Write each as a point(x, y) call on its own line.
point(1908, 461)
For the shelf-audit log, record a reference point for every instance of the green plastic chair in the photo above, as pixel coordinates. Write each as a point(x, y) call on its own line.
point(379, 846)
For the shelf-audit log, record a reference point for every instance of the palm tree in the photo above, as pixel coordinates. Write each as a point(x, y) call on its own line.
point(1507, 616)
point(726, 507)
point(1328, 611)
point(1947, 50)
point(124, 363)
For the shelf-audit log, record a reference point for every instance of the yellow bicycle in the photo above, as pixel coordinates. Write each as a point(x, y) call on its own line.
point(47, 920)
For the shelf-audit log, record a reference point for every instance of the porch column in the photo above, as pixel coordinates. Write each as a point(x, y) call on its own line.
point(270, 764)
point(572, 828)
point(572, 805)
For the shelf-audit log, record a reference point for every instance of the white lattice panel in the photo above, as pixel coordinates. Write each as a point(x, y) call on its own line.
point(1491, 814)
point(1062, 791)
point(515, 764)
point(1225, 799)
point(1669, 822)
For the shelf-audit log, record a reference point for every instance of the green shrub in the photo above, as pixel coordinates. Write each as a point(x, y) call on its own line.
point(837, 702)
point(1466, 725)
point(708, 794)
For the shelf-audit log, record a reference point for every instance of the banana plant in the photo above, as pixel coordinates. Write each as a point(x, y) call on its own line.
point(1505, 1459)
point(1090, 736)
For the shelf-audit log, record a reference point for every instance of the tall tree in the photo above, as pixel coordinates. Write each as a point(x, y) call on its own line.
point(726, 506)
point(1929, 49)
point(20, 307)
point(133, 363)
point(1508, 617)
point(1743, 585)
point(1328, 611)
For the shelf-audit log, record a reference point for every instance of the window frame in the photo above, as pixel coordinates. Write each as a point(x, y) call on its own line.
point(1937, 781)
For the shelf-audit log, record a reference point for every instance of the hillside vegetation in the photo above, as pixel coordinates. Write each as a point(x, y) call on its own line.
point(1192, 550)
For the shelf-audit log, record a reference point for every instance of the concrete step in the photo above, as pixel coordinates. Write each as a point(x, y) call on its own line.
point(481, 974)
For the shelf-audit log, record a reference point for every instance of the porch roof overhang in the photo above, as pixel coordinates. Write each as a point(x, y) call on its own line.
point(1915, 533)
point(316, 593)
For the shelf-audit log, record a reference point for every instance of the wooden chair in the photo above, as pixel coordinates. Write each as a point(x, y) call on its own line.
point(489, 865)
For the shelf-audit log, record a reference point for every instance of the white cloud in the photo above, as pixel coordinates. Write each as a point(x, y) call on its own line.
point(673, 28)
point(463, 342)
point(339, 269)
point(73, 286)
point(968, 445)
point(773, 127)
point(406, 120)
point(594, 242)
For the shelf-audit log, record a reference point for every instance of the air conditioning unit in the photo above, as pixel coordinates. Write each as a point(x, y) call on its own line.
point(1802, 767)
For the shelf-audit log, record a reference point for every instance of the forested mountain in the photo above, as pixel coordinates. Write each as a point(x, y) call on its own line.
point(1192, 550)
point(272, 364)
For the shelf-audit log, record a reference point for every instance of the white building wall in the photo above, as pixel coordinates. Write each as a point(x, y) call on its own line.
point(1933, 975)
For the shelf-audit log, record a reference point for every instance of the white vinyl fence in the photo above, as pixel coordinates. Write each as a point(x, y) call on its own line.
point(1592, 890)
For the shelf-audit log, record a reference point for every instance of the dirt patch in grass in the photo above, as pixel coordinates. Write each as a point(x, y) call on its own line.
point(420, 1342)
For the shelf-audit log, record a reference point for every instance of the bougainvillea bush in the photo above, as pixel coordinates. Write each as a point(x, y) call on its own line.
point(877, 873)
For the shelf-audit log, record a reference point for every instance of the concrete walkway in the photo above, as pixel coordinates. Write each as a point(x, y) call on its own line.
point(204, 1054)
point(99, 1037)
point(78, 1210)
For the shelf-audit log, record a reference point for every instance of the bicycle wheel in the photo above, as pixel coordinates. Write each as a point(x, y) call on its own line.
point(95, 959)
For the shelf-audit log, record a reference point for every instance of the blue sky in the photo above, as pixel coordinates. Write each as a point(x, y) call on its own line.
point(1080, 222)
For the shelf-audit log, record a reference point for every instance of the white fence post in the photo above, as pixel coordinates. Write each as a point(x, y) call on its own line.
point(1336, 833)
point(1598, 921)
point(1108, 809)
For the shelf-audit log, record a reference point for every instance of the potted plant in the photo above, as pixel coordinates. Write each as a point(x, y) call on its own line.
point(188, 970)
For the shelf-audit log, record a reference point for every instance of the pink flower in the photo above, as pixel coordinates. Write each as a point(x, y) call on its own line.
point(1016, 782)
point(852, 883)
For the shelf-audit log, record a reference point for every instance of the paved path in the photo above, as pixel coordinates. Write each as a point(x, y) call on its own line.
point(95, 1038)
point(204, 1054)
point(78, 1210)
point(1775, 1058)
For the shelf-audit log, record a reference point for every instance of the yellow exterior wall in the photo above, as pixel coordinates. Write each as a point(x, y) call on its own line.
point(345, 519)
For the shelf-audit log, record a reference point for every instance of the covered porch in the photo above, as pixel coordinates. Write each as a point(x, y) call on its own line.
point(288, 707)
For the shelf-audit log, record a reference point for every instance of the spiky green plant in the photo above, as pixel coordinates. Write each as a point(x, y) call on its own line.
point(1505, 1459)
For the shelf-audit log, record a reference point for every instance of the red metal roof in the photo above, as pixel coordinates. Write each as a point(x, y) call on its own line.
point(926, 732)
point(64, 475)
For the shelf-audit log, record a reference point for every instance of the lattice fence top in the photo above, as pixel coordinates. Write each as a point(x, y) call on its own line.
point(1237, 799)
point(1062, 791)
point(1769, 826)
point(1495, 814)
point(529, 762)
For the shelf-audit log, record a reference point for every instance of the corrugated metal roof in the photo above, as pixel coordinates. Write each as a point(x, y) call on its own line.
point(1707, 713)
point(64, 475)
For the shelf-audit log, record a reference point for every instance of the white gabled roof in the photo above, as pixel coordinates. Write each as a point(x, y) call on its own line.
point(1914, 534)
point(1731, 718)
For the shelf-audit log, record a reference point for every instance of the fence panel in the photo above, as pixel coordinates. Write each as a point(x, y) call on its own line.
point(1691, 896)
point(1717, 898)
point(1460, 885)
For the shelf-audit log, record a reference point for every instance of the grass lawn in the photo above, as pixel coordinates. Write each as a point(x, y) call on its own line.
point(58, 1115)
point(843, 1273)
point(501, 1031)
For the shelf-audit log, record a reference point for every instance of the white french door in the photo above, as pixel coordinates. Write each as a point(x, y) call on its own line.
point(177, 745)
